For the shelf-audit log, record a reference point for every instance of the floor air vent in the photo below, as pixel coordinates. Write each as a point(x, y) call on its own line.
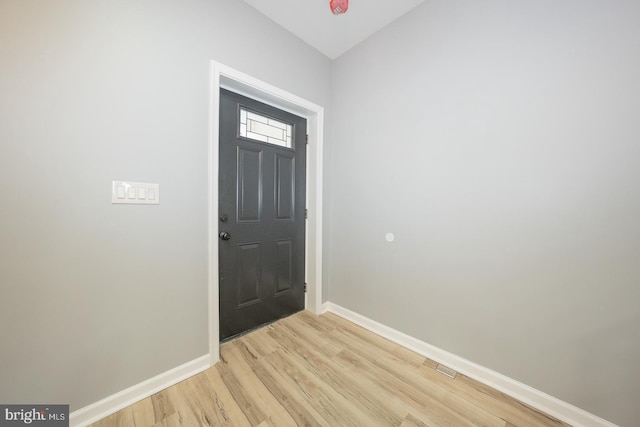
point(446, 371)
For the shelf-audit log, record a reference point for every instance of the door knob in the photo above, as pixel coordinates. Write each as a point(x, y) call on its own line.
point(224, 235)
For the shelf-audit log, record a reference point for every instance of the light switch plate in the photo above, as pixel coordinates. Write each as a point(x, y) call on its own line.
point(135, 193)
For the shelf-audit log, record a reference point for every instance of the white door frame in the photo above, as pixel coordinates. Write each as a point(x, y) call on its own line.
point(236, 81)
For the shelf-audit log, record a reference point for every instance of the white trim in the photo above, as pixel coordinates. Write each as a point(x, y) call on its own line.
point(107, 406)
point(328, 305)
point(228, 78)
point(212, 241)
point(548, 404)
point(316, 139)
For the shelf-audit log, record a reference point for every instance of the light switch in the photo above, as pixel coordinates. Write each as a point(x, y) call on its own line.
point(141, 193)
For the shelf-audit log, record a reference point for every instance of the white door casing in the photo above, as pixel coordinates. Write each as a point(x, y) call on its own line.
point(225, 77)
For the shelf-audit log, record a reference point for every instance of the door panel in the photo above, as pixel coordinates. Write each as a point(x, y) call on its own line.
point(249, 278)
point(285, 187)
point(284, 265)
point(261, 205)
point(249, 184)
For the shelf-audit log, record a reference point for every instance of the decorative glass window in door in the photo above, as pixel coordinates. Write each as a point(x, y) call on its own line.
point(265, 129)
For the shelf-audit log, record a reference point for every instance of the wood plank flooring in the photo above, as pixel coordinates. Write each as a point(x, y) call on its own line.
point(309, 370)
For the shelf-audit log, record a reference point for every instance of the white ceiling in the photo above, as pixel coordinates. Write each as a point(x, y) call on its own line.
point(313, 22)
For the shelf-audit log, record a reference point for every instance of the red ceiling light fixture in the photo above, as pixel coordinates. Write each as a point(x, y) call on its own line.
point(339, 6)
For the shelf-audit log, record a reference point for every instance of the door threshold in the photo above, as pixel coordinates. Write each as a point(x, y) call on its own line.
point(248, 331)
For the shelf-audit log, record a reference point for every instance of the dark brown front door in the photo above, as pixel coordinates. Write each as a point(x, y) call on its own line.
point(262, 213)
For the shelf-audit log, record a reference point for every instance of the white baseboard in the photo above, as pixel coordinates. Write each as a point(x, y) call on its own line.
point(325, 307)
point(107, 406)
point(548, 404)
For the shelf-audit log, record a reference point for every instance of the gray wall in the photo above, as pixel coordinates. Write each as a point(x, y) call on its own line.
point(498, 140)
point(97, 297)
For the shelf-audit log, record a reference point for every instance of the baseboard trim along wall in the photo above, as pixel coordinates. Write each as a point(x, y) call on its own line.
point(548, 404)
point(107, 406)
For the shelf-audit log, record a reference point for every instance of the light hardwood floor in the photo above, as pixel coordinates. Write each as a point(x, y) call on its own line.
point(325, 371)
